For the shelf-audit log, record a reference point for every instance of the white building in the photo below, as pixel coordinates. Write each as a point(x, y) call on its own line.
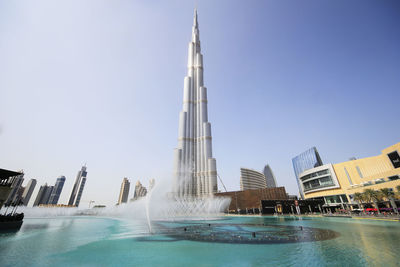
point(251, 179)
point(195, 168)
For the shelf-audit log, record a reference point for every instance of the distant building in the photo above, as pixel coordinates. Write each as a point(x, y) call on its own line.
point(77, 190)
point(251, 179)
point(26, 195)
point(15, 186)
point(47, 194)
point(18, 196)
point(43, 195)
point(55, 194)
point(307, 160)
point(269, 176)
point(152, 183)
point(124, 192)
point(6, 181)
point(140, 191)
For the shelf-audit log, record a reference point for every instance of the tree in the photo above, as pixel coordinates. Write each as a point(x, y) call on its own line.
point(373, 196)
point(359, 197)
point(397, 194)
point(389, 195)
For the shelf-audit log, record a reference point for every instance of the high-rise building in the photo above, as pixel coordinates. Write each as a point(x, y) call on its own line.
point(152, 183)
point(307, 160)
point(43, 195)
point(15, 186)
point(18, 196)
point(55, 194)
point(251, 179)
point(39, 195)
point(46, 195)
point(79, 185)
point(7, 178)
point(140, 191)
point(26, 196)
point(195, 168)
point(269, 176)
point(124, 192)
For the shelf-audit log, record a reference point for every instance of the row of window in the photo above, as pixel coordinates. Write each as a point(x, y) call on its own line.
point(336, 199)
point(315, 174)
point(379, 181)
point(318, 183)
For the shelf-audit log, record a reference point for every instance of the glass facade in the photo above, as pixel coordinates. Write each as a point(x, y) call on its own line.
point(336, 199)
point(55, 195)
point(316, 180)
point(307, 160)
point(269, 177)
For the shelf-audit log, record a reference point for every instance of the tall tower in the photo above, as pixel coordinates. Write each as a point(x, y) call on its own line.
point(26, 196)
point(269, 176)
point(123, 194)
point(195, 168)
point(77, 190)
point(15, 186)
point(55, 195)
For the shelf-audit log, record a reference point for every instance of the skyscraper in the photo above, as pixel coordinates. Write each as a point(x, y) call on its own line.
point(307, 160)
point(15, 186)
point(77, 190)
point(269, 176)
point(43, 195)
point(124, 192)
point(46, 195)
point(195, 168)
point(140, 191)
point(55, 194)
point(26, 196)
point(152, 183)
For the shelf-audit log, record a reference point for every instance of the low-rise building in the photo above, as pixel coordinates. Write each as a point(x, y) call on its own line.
point(337, 183)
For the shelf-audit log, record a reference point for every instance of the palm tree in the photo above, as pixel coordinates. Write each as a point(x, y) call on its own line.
point(359, 197)
point(388, 194)
point(374, 196)
point(397, 194)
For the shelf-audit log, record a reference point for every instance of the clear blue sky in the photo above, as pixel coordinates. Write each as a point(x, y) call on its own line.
point(101, 82)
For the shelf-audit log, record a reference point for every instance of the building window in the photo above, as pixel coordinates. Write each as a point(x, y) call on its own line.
point(333, 199)
point(395, 159)
point(344, 198)
point(359, 172)
point(348, 176)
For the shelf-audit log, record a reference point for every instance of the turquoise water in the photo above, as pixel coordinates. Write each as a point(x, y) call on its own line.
point(284, 241)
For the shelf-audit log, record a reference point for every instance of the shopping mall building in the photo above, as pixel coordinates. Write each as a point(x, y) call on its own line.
point(337, 183)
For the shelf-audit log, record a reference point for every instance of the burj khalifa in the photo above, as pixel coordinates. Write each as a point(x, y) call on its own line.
point(195, 170)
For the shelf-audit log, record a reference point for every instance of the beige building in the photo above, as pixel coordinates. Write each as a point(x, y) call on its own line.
point(124, 192)
point(337, 183)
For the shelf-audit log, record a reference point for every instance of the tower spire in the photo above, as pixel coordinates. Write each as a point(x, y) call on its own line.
point(195, 23)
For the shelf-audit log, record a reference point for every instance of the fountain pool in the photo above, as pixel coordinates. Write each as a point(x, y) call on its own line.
point(224, 241)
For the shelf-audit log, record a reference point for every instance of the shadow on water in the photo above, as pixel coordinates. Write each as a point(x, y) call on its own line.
point(238, 233)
